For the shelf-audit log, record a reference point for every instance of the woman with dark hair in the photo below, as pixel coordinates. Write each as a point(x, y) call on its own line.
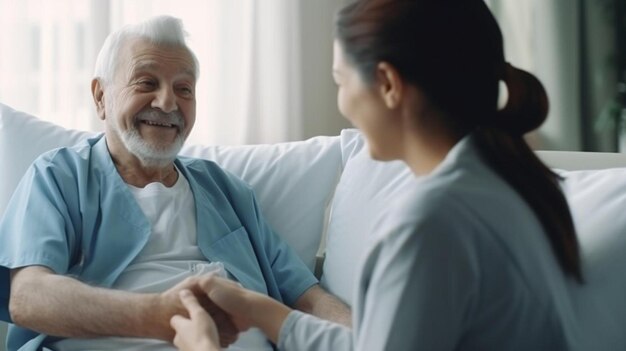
point(480, 254)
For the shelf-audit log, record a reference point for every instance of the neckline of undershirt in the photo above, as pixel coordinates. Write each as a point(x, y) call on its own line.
point(158, 187)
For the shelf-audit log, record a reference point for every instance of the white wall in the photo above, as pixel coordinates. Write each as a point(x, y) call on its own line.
point(319, 106)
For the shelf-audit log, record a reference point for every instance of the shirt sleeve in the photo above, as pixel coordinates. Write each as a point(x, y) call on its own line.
point(417, 289)
point(302, 331)
point(291, 275)
point(36, 227)
point(416, 292)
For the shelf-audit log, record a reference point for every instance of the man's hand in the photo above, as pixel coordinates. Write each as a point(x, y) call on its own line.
point(198, 332)
point(62, 306)
point(227, 330)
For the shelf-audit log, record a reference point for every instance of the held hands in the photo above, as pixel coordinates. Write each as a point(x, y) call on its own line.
point(245, 308)
point(232, 298)
point(177, 306)
point(198, 332)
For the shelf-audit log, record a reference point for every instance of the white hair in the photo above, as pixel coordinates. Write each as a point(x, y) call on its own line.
point(160, 30)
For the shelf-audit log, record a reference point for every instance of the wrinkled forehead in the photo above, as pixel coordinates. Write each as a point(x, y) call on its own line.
point(142, 54)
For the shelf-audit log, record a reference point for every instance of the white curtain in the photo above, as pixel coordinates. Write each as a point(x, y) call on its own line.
point(264, 64)
point(43, 59)
point(542, 36)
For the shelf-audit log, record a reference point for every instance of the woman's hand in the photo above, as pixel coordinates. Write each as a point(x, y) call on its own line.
point(198, 332)
point(245, 307)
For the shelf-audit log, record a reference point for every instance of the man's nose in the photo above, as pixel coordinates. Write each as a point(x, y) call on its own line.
point(165, 100)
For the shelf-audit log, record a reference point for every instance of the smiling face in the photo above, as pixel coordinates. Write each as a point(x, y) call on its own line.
point(363, 104)
point(149, 107)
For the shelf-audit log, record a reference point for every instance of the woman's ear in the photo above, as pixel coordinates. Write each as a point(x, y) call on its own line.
point(390, 84)
point(98, 97)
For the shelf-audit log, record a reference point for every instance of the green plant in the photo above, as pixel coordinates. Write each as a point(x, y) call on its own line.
point(613, 114)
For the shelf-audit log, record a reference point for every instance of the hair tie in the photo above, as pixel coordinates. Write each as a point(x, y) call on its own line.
point(527, 103)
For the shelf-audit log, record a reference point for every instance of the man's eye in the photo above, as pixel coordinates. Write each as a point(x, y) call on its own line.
point(147, 84)
point(185, 90)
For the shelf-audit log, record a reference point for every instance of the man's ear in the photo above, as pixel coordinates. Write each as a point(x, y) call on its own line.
point(390, 84)
point(98, 97)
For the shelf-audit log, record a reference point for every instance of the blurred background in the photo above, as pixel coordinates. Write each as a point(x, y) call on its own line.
point(265, 64)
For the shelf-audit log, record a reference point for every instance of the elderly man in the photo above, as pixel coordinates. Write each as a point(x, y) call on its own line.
point(99, 238)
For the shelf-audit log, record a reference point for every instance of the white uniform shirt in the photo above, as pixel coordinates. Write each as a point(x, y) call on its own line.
point(461, 263)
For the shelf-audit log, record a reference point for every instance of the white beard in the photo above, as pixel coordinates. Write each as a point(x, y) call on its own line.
point(150, 155)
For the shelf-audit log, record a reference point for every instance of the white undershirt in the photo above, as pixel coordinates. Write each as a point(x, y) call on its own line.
point(170, 255)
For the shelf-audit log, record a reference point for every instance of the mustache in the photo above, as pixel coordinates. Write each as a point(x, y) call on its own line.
point(174, 118)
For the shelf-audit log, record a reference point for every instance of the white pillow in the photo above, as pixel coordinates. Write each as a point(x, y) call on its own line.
point(23, 138)
point(597, 199)
point(293, 181)
point(365, 189)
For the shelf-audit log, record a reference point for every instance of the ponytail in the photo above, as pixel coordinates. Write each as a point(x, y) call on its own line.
point(527, 105)
point(502, 145)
